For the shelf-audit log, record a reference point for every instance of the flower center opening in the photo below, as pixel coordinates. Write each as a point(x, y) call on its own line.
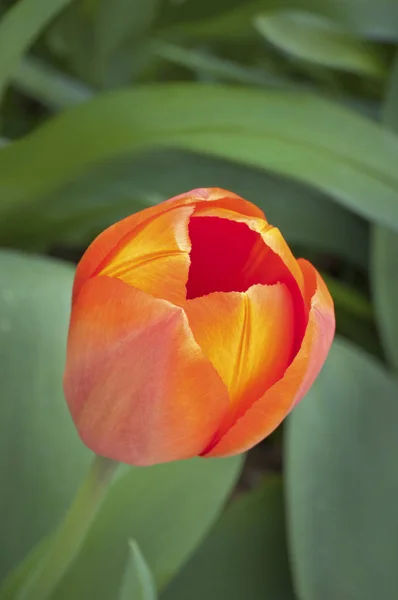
point(226, 256)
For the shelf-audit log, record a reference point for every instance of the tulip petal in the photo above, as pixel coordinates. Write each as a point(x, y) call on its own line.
point(138, 386)
point(266, 414)
point(248, 337)
point(274, 239)
point(156, 258)
point(99, 252)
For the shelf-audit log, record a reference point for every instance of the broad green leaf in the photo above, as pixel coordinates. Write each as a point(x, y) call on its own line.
point(138, 583)
point(41, 458)
point(167, 509)
point(19, 28)
point(297, 135)
point(384, 263)
point(378, 20)
point(105, 194)
point(342, 481)
point(310, 37)
point(244, 557)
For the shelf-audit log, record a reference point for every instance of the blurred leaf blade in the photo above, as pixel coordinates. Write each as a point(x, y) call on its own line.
point(307, 139)
point(384, 260)
point(176, 501)
point(245, 556)
point(313, 38)
point(365, 18)
point(19, 27)
point(42, 82)
point(342, 485)
point(138, 582)
point(34, 415)
point(120, 20)
point(115, 189)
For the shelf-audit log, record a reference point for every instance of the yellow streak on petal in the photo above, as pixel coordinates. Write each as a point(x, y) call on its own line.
point(247, 336)
point(156, 258)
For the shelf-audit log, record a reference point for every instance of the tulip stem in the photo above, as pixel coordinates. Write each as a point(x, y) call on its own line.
point(70, 535)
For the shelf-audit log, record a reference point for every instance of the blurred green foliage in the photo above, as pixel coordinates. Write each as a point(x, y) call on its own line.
point(109, 106)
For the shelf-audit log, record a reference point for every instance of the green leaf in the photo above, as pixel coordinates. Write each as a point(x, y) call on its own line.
point(19, 28)
point(221, 68)
point(384, 262)
point(310, 37)
point(384, 275)
point(297, 135)
point(42, 82)
point(166, 508)
point(378, 20)
point(244, 557)
point(138, 582)
point(121, 20)
point(342, 484)
point(118, 188)
point(38, 441)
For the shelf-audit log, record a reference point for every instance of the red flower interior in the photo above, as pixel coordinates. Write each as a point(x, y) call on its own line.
point(227, 256)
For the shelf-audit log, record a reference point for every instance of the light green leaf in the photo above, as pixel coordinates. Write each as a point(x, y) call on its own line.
point(297, 135)
point(342, 481)
point(42, 82)
point(244, 557)
point(19, 28)
point(314, 38)
point(37, 438)
point(384, 262)
point(177, 501)
point(138, 582)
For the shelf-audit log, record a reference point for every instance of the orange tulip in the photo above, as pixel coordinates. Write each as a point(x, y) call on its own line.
point(194, 331)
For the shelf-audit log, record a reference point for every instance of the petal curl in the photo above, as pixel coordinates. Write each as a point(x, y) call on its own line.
point(266, 414)
point(248, 337)
point(137, 384)
point(156, 258)
point(97, 255)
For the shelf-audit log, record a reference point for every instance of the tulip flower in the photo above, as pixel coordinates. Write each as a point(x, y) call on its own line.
point(194, 331)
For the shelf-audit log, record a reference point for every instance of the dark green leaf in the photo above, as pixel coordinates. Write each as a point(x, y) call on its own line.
point(245, 556)
point(118, 188)
point(342, 482)
point(121, 20)
point(385, 249)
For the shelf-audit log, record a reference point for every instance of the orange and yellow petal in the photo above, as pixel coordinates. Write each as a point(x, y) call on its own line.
point(103, 247)
point(248, 337)
point(274, 240)
point(156, 258)
point(266, 414)
point(137, 384)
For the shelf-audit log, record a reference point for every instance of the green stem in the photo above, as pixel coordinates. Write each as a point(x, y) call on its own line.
point(69, 537)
